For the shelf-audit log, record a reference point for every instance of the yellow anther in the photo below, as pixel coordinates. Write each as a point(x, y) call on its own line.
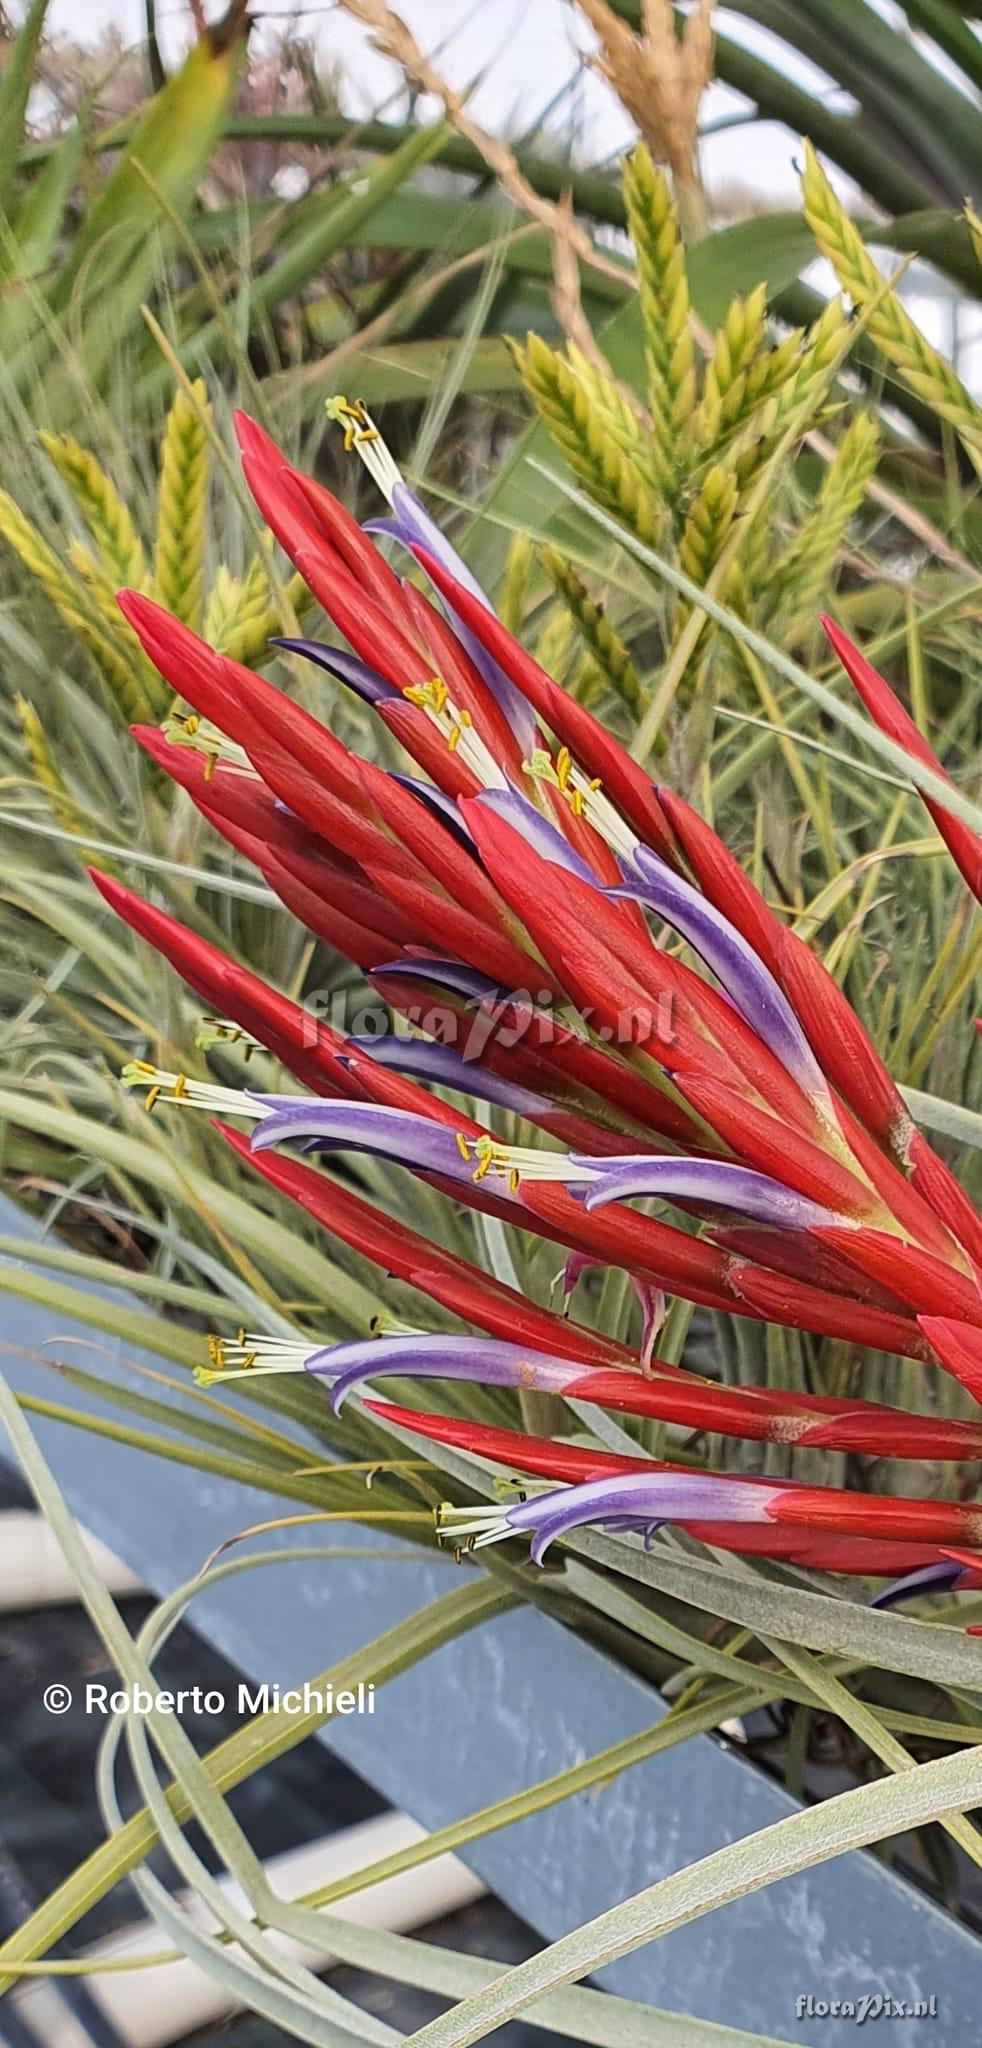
point(513, 1181)
point(353, 417)
point(430, 696)
point(484, 1150)
point(576, 803)
point(462, 1145)
point(211, 763)
point(564, 763)
point(180, 1087)
point(453, 739)
point(151, 1096)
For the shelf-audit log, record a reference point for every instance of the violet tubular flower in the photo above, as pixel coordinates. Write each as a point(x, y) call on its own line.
point(717, 1183)
point(633, 1503)
point(944, 1577)
point(426, 1060)
point(393, 1134)
point(410, 524)
point(740, 972)
point(488, 1361)
point(344, 666)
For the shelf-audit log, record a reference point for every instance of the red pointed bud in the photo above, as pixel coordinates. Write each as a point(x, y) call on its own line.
point(779, 1298)
point(308, 1048)
point(244, 706)
point(878, 1515)
point(302, 514)
point(392, 650)
point(886, 711)
point(192, 668)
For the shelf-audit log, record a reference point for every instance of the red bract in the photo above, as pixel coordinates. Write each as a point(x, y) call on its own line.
point(886, 711)
point(859, 1556)
point(527, 903)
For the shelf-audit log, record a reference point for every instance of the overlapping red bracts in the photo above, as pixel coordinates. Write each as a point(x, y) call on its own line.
point(812, 1421)
point(574, 726)
point(571, 1465)
point(880, 1246)
point(442, 1276)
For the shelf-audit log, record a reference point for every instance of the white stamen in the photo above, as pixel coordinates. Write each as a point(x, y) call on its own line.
point(472, 1528)
point(584, 796)
point(600, 813)
point(456, 728)
point(251, 1354)
point(362, 435)
point(162, 1086)
point(515, 1163)
point(186, 729)
point(214, 1031)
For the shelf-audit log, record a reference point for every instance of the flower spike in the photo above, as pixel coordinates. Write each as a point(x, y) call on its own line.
point(509, 896)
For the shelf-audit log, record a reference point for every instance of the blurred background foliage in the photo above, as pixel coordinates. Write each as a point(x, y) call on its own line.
point(747, 396)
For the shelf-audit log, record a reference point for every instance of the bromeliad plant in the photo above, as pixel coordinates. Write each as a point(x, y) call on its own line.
point(581, 954)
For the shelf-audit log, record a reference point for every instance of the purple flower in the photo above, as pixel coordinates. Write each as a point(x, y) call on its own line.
point(365, 681)
point(943, 1577)
point(632, 1501)
point(394, 1134)
point(717, 1183)
point(427, 1061)
point(489, 1360)
point(545, 838)
point(741, 974)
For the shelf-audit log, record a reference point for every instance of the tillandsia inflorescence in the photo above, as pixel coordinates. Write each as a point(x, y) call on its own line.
point(512, 892)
